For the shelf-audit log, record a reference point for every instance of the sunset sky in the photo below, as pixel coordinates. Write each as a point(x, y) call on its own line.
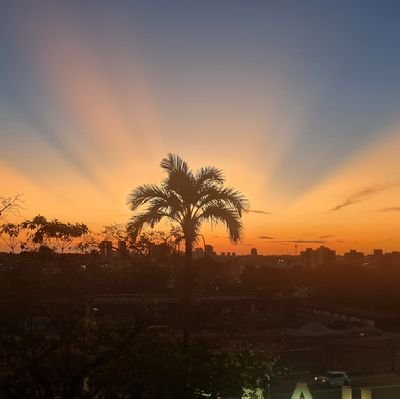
point(297, 101)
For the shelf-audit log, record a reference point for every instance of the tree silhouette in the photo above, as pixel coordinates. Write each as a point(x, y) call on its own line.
point(53, 234)
point(10, 234)
point(187, 199)
point(10, 204)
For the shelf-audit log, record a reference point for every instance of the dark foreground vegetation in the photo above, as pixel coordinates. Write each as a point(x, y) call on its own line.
point(57, 342)
point(122, 358)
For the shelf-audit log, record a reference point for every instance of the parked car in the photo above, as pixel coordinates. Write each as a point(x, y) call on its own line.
point(333, 378)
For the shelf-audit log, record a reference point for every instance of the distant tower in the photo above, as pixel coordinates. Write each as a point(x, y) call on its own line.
point(106, 250)
point(378, 252)
point(208, 249)
point(253, 252)
point(122, 247)
point(198, 253)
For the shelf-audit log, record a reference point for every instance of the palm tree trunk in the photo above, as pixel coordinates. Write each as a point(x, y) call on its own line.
point(187, 291)
point(186, 305)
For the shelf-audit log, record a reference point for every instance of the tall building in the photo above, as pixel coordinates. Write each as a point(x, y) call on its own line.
point(317, 257)
point(198, 253)
point(377, 258)
point(324, 255)
point(253, 252)
point(106, 250)
point(307, 258)
point(353, 257)
point(378, 252)
point(391, 259)
point(122, 248)
point(208, 249)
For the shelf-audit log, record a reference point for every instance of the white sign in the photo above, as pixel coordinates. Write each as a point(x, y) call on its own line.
point(301, 391)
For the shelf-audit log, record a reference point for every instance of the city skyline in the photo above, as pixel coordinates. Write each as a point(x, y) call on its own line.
point(298, 105)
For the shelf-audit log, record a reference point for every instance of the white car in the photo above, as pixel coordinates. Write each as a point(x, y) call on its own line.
point(333, 378)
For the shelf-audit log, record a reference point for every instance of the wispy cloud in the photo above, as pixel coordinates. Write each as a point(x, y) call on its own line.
point(390, 209)
point(303, 241)
point(307, 241)
point(266, 238)
point(326, 236)
point(362, 195)
point(260, 212)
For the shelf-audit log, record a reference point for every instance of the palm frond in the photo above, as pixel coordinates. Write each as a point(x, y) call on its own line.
point(209, 174)
point(235, 199)
point(227, 216)
point(174, 163)
point(180, 178)
point(225, 196)
point(188, 199)
point(145, 193)
point(171, 206)
point(142, 220)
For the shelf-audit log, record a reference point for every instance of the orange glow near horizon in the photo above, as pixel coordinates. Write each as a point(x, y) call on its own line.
point(370, 223)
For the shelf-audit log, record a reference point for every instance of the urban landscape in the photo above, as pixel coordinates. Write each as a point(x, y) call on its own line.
point(199, 199)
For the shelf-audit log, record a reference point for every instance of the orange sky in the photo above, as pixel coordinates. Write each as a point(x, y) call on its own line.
point(370, 222)
point(106, 106)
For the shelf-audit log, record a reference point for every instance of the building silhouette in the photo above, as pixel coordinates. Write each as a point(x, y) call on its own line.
point(320, 256)
point(198, 253)
point(354, 257)
point(106, 251)
point(122, 248)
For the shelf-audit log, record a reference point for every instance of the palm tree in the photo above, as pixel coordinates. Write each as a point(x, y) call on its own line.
point(187, 199)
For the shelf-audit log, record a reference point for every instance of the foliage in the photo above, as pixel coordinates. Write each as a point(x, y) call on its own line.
point(187, 199)
point(10, 234)
point(156, 243)
point(163, 370)
point(114, 232)
point(10, 204)
point(113, 358)
point(54, 234)
point(55, 363)
point(88, 243)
